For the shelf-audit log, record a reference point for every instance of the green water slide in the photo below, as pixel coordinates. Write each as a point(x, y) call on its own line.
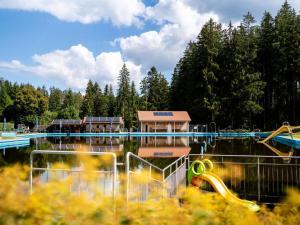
point(202, 169)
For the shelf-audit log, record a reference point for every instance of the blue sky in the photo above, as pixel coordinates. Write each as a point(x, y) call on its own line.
point(66, 43)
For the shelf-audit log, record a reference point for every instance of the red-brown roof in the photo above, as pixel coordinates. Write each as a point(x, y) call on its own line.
point(163, 152)
point(175, 116)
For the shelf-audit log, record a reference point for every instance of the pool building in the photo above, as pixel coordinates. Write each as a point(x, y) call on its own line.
point(163, 121)
point(65, 126)
point(103, 124)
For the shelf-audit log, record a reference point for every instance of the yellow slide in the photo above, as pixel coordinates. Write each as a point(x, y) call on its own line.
point(285, 155)
point(280, 130)
point(221, 188)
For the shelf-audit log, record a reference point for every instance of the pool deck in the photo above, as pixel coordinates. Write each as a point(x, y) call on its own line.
point(14, 142)
point(138, 134)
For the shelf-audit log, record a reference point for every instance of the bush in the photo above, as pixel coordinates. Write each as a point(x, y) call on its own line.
point(53, 203)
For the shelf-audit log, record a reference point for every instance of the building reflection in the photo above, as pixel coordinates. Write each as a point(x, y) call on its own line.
point(94, 144)
point(163, 147)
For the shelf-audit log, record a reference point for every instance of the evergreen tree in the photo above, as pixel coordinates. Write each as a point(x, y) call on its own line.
point(123, 95)
point(87, 107)
point(71, 104)
point(43, 90)
point(133, 106)
point(209, 42)
point(55, 99)
point(266, 60)
point(287, 62)
point(248, 84)
point(101, 106)
point(155, 91)
point(111, 101)
point(5, 99)
point(226, 77)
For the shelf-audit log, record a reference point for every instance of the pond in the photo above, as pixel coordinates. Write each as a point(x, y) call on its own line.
point(256, 171)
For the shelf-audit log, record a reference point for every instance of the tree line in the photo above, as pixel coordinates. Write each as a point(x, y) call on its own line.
point(246, 76)
point(25, 104)
point(239, 77)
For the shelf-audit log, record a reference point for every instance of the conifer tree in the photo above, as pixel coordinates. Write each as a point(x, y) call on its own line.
point(87, 107)
point(123, 95)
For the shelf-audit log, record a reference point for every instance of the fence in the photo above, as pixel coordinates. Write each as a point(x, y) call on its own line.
point(261, 178)
point(106, 178)
point(145, 180)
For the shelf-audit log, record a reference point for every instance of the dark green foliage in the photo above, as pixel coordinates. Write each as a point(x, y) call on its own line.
point(5, 99)
point(71, 105)
point(155, 91)
point(133, 105)
point(123, 96)
point(55, 99)
point(29, 104)
point(87, 106)
point(111, 101)
point(246, 76)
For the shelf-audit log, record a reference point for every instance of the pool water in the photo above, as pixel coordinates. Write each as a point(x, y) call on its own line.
point(256, 172)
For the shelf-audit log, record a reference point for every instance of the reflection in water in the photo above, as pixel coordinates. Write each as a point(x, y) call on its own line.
point(94, 144)
point(264, 179)
point(286, 156)
point(82, 173)
point(163, 147)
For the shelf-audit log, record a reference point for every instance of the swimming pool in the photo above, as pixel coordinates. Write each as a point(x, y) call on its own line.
point(265, 181)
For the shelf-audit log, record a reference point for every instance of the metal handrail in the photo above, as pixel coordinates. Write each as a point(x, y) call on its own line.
point(182, 160)
point(143, 160)
point(170, 166)
point(71, 170)
point(248, 156)
point(182, 157)
point(54, 152)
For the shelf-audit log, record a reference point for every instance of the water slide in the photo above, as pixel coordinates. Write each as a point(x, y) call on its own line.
point(282, 129)
point(285, 155)
point(200, 171)
point(219, 186)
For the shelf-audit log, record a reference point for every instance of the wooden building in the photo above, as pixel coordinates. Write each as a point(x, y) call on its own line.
point(163, 121)
point(103, 124)
point(65, 126)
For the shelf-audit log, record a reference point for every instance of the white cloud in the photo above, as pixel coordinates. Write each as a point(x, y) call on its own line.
point(119, 12)
point(179, 22)
point(75, 66)
point(233, 10)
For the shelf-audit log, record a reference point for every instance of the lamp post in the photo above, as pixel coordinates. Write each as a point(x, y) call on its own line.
point(60, 125)
point(90, 124)
point(4, 124)
point(37, 123)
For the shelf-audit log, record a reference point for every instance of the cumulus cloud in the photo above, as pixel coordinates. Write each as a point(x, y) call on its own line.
point(124, 12)
point(75, 66)
point(179, 22)
point(233, 10)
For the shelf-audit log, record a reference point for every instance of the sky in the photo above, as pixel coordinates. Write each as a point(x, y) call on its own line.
point(65, 43)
